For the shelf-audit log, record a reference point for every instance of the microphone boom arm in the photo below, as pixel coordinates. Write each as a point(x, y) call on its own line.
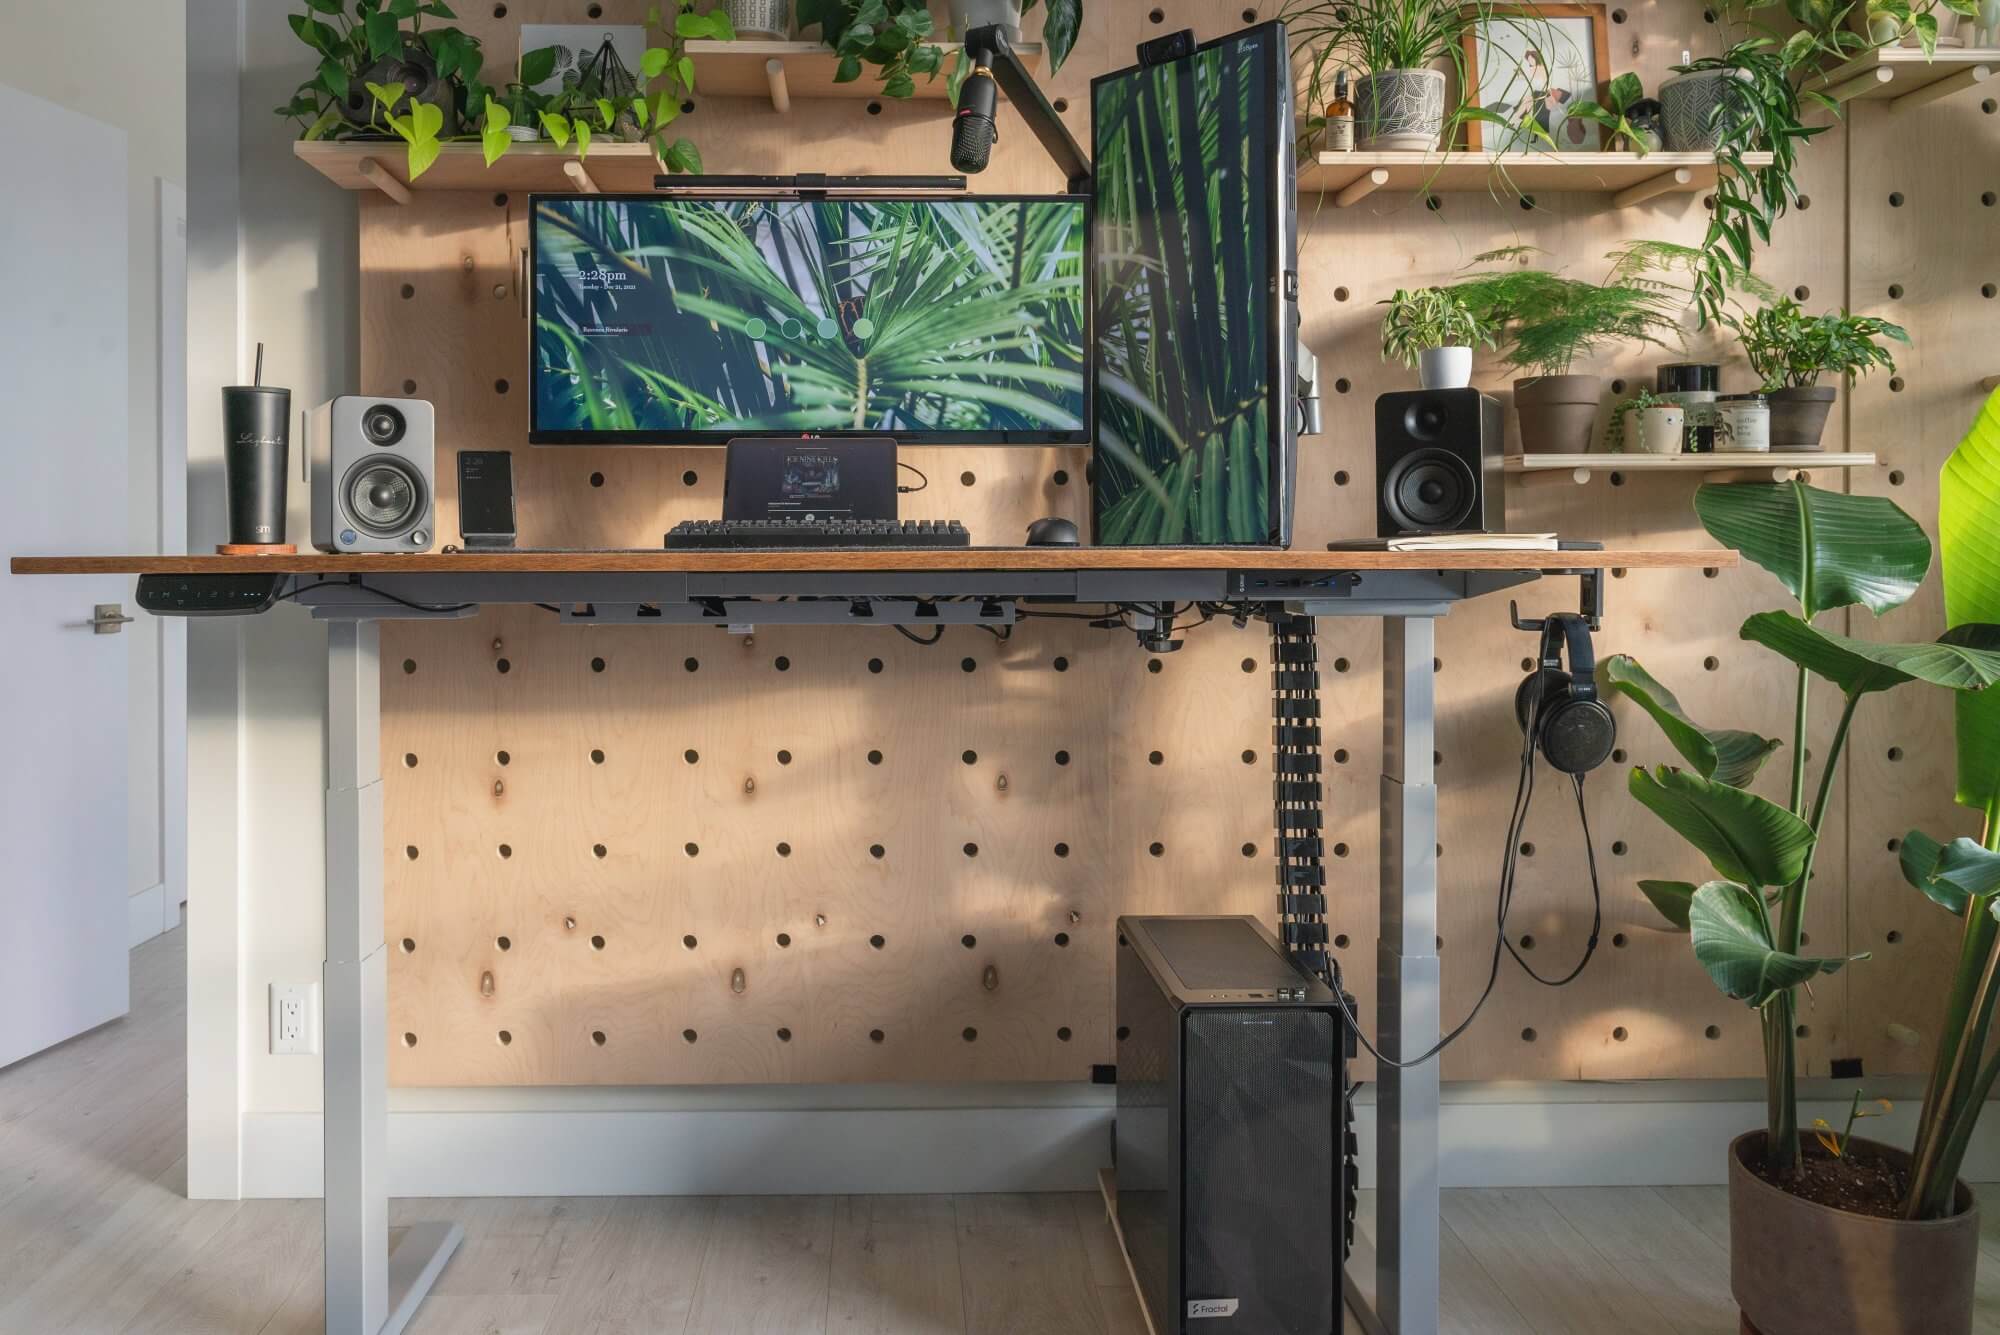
point(989, 46)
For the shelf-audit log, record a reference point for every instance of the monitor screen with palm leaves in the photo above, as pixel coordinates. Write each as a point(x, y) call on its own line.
point(1194, 288)
point(671, 320)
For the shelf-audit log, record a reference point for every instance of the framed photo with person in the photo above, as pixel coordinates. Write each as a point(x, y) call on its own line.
point(1529, 64)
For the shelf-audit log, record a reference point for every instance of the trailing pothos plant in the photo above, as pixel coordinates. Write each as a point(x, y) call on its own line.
point(1830, 551)
point(1963, 876)
point(891, 35)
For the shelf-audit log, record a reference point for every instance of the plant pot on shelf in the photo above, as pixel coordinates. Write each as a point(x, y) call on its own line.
point(1399, 109)
point(759, 18)
point(1798, 418)
point(1688, 105)
point(416, 70)
point(1798, 1268)
point(969, 14)
point(1444, 368)
point(1879, 28)
point(1558, 412)
point(1662, 429)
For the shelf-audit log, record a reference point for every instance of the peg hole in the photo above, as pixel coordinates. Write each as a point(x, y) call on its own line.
point(503, 943)
point(503, 1038)
point(1062, 938)
point(1157, 849)
point(1713, 1031)
point(692, 849)
point(409, 1040)
point(877, 852)
point(597, 943)
point(969, 1034)
point(784, 757)
point(596, 756)
point(784, 1035)
point(1620, 1034)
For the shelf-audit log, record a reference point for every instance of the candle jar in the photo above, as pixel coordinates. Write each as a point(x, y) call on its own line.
point(1744, 422)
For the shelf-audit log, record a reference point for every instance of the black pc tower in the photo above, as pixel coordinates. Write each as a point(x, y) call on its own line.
point(1234, 1197)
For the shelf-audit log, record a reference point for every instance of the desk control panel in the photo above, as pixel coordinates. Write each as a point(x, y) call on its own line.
point(209, 595)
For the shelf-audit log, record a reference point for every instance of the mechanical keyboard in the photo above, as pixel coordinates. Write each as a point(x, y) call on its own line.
point(749, 533)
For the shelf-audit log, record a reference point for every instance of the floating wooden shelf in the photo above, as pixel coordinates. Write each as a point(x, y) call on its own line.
point(782, 71)
point(1628, 178)
point(537, 166)
point(1578, 468)
point(1904, 76)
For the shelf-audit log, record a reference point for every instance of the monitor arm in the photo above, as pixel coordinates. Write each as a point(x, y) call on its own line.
point(988, 46)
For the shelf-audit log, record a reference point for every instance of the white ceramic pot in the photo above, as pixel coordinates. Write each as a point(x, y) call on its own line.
point(759, 18)
point(1444, 368)
point(1399, 109)
point(1662, 429)
point(969, 14)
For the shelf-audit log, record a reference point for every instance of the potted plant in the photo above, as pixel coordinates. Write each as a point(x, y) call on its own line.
point(1544, 322)
point(1431, 331)
point(1791, 350)
point(765, 18)
point(1060, 20)
point(1799, 1260)
point(366, 44)
point(1662, 425)
point(889, 35)
point(1399, 101)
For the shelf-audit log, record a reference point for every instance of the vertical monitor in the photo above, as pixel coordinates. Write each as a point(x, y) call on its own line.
point(1194, 294)
point(669, 320)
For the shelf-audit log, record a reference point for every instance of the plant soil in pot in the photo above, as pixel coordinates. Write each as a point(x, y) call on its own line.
point(1444, 368)
point(1797, 1267)
point(1558, 412)
point(1798, 418)
point(1399, 109)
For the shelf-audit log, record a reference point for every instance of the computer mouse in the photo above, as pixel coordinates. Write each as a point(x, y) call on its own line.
point(1052, 532)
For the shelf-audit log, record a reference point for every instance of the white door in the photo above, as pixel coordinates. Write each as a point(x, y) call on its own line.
point(63, 700)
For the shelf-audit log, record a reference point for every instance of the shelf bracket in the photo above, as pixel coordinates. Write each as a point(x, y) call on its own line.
point(1970, 77)
point(1852, 88)
point(1666, 183)
point(380, 177)
point(579, 175)
point(1361, 187)
point(781, 92)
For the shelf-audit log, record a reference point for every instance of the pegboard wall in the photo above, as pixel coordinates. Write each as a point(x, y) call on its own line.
point(636, 855)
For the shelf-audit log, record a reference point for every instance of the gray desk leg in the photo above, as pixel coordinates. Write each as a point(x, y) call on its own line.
point(368, 1291)
point(1407, 986)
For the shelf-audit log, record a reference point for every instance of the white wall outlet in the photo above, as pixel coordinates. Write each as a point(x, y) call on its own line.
point(294, 1017)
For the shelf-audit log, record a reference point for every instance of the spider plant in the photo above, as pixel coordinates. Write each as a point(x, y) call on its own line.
point(1184, 409)
point(1427, 318)
point(883, 316)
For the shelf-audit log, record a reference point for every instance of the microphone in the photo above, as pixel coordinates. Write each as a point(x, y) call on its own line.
point(972, 131)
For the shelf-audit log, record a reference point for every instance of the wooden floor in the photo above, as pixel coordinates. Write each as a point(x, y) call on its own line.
point(96, 1236)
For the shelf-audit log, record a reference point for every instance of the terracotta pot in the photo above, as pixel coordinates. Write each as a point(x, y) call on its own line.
point(1558, 412)
point(1798, 418)
point(1797, 1268)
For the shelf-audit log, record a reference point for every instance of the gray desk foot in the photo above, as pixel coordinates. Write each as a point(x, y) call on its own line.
point(414, 1267)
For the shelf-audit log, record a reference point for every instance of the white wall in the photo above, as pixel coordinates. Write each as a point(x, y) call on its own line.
point(125, 65)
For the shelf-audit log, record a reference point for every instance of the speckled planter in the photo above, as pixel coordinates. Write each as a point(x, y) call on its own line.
point(1796, 1268)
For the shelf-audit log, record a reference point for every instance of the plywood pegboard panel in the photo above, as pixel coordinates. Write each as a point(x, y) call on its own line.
point(1056, 686)
point(1924, 212)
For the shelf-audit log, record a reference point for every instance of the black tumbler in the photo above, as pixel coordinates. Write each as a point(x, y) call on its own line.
point(257, 437)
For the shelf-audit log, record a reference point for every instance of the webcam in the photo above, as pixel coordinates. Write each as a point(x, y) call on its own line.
point(1171, 47)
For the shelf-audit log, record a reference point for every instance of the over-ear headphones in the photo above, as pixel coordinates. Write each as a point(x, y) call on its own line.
point(1572, 728)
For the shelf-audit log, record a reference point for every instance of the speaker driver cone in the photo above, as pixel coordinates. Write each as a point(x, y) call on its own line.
point(384, 497)
point(1430, 489)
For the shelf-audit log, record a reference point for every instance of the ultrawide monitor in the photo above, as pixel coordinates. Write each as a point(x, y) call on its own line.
point(665, 320)
point(1195, 292)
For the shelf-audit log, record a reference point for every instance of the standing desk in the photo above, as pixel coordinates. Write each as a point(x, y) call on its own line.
point(372, 1291)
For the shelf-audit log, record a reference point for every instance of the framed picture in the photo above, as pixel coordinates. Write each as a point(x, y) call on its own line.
point(1530, 63)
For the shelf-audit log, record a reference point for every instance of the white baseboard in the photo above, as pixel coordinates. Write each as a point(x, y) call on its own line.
point(145, 915)
point(1537, 1136)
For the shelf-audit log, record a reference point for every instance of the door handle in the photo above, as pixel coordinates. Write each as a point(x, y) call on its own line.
point(106, 618)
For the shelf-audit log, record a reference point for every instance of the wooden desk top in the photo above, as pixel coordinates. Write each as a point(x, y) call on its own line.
point(823, 561)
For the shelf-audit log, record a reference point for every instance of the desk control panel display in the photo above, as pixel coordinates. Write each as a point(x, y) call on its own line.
point(209, 595)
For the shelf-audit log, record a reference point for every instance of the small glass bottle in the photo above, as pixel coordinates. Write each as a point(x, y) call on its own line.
point(1340, 117)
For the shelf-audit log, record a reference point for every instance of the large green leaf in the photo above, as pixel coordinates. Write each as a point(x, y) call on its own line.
point(1950, 874)
point(1969, 550)
point(1829, 549)
point(1671, 899)
point(1726, 755)
point(1860, 666)
point(1744, 837)
point(1732, 940)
